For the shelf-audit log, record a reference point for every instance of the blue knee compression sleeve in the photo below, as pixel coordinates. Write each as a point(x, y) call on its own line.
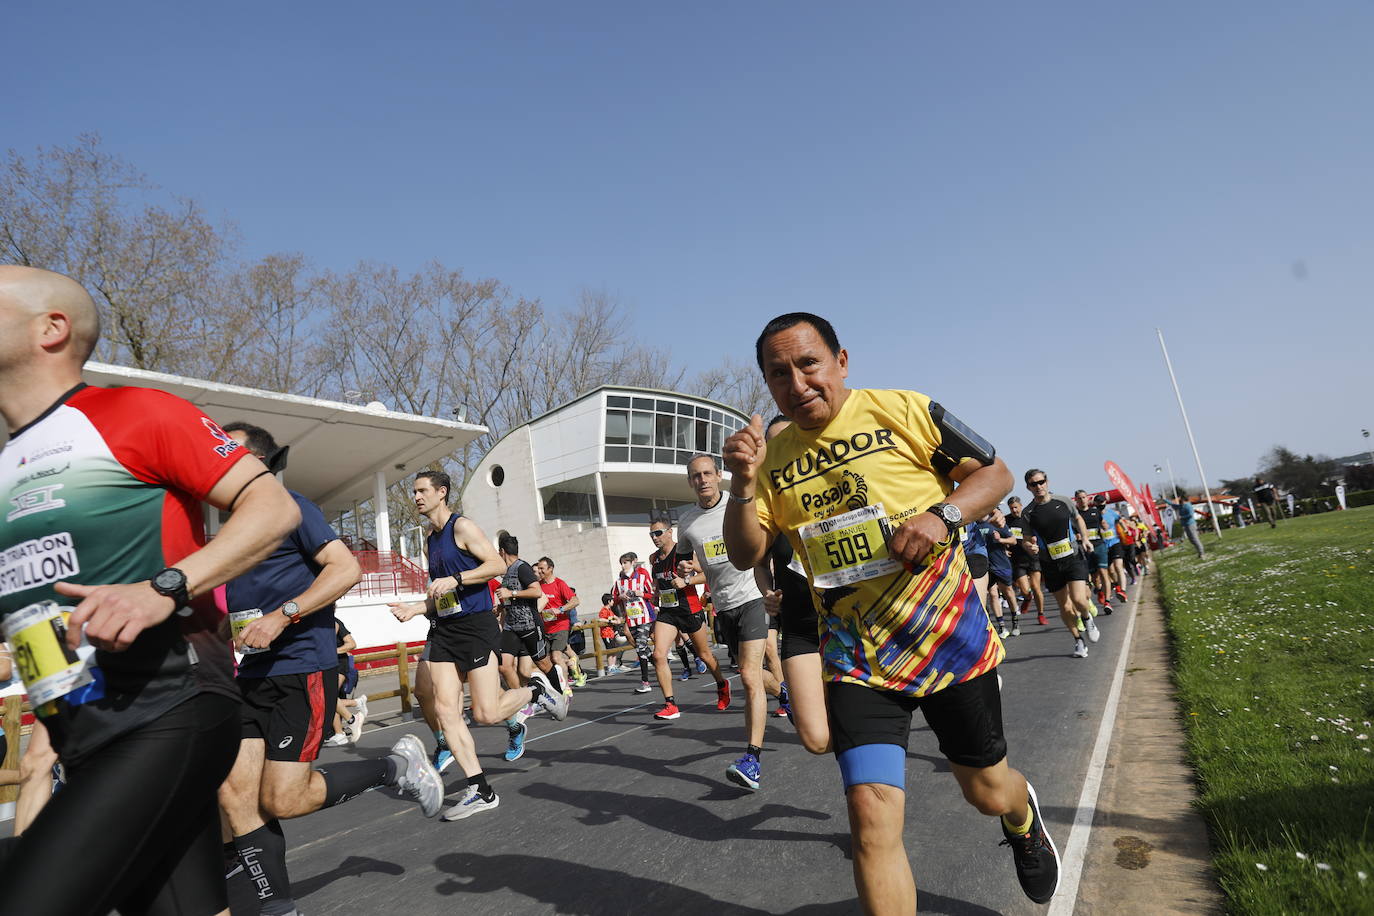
point(884, 764)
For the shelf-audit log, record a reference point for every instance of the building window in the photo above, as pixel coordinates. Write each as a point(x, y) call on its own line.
point(663, 431)
point(641, 428)
point(571, 501)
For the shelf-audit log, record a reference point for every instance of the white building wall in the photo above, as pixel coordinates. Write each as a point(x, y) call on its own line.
point(373, 625)
point(567, 444)
point(513, 506)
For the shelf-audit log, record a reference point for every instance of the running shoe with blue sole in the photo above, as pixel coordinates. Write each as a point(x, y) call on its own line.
point(515, 746)
point(744, 772)
point(442, 759)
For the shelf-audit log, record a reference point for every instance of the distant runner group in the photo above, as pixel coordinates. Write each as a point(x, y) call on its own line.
point(858, 564)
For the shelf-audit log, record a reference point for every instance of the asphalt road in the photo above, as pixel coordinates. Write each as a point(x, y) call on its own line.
point(613, 812)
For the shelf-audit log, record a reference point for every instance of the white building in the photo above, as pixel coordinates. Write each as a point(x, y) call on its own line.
point(580, 483)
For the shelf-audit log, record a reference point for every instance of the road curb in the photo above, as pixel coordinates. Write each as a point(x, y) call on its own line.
point(1149, 852)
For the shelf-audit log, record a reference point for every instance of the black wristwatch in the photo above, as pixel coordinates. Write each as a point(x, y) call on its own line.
point(171, 582)
point(948, 514)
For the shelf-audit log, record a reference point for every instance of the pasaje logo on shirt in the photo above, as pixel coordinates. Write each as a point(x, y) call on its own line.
point(815, 462)
point(850, 490)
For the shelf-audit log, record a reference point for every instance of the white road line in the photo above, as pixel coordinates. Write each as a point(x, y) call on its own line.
point(1076, 849)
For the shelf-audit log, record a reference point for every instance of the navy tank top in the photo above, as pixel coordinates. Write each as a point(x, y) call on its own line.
point(448, 559)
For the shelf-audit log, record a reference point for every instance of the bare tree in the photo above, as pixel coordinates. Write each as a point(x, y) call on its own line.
point(89, 214)
point(267, 328)
point(739, 384)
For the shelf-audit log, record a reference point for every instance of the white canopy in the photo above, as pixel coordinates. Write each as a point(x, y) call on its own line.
point(339, 452)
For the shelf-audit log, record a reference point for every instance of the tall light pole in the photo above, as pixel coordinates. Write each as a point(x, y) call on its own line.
point(1365, 433)
point(1216, 525)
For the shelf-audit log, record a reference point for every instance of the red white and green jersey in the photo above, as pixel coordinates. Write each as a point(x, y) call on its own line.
point(104, 488)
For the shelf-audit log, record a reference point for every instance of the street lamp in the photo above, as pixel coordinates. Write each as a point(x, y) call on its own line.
point(1365, 433)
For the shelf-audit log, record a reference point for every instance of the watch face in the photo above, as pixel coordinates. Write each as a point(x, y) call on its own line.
point(170, 580)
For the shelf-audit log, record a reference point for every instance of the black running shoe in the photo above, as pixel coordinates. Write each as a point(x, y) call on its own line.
point(1037, 861)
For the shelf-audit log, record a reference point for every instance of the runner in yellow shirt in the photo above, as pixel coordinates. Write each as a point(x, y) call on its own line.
point(870, 488)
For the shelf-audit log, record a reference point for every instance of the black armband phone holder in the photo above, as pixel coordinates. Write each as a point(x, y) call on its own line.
point(957, 442)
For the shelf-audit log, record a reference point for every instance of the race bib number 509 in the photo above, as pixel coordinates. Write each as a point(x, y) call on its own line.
point(849, 548)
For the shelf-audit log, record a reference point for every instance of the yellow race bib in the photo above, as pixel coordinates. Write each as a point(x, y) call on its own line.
point(714, 551)
point(849, 548)
point(1061, 549)
point(446, 604)
point(38, 636)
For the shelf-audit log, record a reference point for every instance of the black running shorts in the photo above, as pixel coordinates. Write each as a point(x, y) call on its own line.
point(288, 711)
point(966, 719)
point(977, 565)
point(799, 642)
point(1114, 552)
point(532, 643)
point(1024, 567)
point(467, 640)
point(682, 618)
point(1059, 573)
point(743, 623)
point(136, 828)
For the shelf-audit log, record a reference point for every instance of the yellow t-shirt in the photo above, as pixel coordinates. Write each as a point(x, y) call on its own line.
point(837, 494)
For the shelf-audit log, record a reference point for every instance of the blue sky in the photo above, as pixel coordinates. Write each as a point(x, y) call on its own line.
point(995, 203)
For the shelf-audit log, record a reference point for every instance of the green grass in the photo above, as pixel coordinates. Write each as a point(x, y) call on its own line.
point(1273, 638)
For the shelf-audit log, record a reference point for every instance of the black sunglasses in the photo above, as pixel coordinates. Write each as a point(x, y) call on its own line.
point(657, 534)
point(1035, 483)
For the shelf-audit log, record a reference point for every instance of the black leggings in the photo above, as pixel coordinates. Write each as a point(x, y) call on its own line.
point(136, 829)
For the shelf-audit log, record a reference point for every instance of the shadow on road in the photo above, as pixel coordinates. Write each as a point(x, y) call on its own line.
point(683, 818)
point(583, 890)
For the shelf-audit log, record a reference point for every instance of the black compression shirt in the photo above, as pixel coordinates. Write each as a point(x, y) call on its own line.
point(1052, 520)
point(1020, 529)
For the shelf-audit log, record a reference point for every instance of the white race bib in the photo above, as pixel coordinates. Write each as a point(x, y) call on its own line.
point(240, 619)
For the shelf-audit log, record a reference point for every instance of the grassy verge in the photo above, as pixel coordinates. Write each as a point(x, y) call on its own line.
point(1274, 642)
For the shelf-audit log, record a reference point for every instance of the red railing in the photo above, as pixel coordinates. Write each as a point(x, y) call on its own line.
point(386, 572)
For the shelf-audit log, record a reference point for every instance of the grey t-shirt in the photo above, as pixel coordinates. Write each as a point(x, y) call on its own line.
point(701, 533)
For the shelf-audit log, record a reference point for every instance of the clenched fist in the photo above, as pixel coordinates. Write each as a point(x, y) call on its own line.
point(743, 454)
